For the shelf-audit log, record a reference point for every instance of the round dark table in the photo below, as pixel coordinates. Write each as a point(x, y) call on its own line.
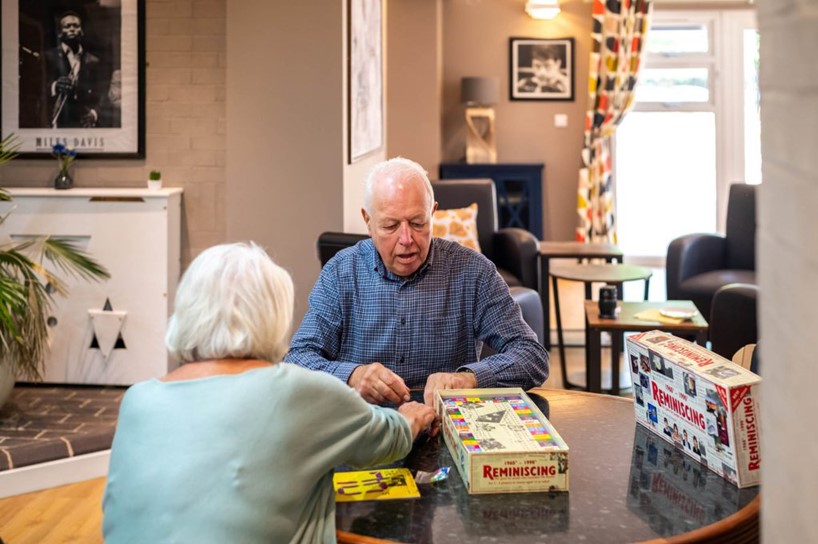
point(626, 485)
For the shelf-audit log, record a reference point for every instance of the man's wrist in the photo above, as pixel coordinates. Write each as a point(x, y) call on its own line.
point(466, 370)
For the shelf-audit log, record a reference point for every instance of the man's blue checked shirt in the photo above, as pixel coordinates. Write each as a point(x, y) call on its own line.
point(433, 321)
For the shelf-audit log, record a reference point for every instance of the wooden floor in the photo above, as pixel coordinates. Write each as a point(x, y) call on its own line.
point(62, 515)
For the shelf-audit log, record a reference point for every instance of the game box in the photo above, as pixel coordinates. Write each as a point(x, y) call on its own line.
point(501, 442)
point(699, 401)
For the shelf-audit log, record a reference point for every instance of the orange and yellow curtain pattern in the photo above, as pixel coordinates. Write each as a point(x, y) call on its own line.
point(619, 31)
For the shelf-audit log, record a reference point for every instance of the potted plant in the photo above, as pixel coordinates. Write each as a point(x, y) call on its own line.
point(28, 278)
point(155, 180)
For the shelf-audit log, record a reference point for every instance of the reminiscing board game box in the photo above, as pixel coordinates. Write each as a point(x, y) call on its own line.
point(501, 442)
point(699, 401)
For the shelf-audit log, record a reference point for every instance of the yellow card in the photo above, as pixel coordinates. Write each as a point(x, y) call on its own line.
point(375, 485)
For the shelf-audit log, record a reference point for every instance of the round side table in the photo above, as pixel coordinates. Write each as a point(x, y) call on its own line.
point(610, 274)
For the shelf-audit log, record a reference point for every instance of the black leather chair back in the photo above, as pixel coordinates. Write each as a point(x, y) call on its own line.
point(330, 243)
point(740, 230)
point(733, 318)
point(460, 193)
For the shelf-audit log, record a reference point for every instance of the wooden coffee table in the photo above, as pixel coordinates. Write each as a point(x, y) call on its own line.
point(625, 321)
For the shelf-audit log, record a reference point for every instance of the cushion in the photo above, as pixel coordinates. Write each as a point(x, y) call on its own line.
point(458, 225)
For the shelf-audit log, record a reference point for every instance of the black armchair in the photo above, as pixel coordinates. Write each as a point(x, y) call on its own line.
point(699, 264)
point(734, 319)
point(515, 252)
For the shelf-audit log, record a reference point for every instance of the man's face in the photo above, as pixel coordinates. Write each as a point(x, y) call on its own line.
point(70, 28)
point(401, 223)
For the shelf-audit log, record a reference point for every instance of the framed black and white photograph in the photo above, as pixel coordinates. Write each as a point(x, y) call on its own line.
point(73, 74)
point(542, 69)
point(365, 78)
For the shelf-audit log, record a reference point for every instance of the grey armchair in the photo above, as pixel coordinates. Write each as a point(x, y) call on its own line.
point(699, 264)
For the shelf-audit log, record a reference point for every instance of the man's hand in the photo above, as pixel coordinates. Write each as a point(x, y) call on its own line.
point(377, 384)
point(64, 85)
point(419, 417)
point(447, 380)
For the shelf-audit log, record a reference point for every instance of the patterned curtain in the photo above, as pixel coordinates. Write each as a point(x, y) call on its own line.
point(619, 31)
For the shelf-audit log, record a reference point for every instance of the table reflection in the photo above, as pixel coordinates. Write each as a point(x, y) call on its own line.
point(674, 493)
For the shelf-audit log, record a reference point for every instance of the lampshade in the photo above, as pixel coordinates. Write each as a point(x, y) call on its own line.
point(481, 91)
point(542, 9)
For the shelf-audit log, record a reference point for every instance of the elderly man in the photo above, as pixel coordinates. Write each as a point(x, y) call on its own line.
point(402, 310)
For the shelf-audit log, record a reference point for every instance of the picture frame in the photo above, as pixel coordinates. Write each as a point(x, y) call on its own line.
point(541, 69)
point(74, 74)
point(365, 76)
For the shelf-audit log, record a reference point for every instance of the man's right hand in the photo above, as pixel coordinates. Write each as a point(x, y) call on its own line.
point(378, 385)
point(64, 85)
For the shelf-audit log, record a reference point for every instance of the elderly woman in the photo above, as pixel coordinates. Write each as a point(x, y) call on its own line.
point(235, 446)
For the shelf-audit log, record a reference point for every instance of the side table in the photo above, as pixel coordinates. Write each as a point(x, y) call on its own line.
point(612, 274)
point(626, 321)
point(568, 250)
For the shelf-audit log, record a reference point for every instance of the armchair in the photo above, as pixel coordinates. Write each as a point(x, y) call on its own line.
point(733, 318)
point(699, 264)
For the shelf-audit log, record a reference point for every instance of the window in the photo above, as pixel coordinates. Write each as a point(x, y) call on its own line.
point(693, 131)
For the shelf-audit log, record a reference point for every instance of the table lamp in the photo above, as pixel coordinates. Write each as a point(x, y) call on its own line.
point(479, 94)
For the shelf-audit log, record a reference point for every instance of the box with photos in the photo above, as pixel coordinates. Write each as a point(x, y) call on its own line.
point(699, 401)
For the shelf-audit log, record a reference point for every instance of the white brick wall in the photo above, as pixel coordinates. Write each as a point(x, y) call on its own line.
point(788, 268)
point(184, 121)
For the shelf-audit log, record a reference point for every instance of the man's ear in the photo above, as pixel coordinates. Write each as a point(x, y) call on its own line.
point(365, 216)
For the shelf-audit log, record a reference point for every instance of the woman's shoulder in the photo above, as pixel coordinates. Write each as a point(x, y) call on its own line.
point(311, 379)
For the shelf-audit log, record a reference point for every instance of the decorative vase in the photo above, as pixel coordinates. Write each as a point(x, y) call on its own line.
point(63, 180)
point(154, 184)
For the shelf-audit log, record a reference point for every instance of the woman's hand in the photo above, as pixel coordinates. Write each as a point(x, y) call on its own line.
point(420, 417)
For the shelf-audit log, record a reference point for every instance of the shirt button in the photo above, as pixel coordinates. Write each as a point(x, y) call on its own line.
point(403, 321)
point(401, 360)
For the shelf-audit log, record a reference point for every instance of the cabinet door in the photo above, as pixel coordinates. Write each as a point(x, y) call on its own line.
point(132, 237)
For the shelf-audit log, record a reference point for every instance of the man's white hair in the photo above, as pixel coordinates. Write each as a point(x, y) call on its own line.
point(400, 168)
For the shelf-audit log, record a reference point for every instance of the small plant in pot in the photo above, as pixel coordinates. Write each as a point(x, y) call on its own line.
point(155, 179)
point(29, 277)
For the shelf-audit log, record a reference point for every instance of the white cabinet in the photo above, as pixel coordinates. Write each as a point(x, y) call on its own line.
point(109, 332)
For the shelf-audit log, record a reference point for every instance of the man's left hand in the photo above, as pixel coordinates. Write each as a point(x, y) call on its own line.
point(447, 380)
